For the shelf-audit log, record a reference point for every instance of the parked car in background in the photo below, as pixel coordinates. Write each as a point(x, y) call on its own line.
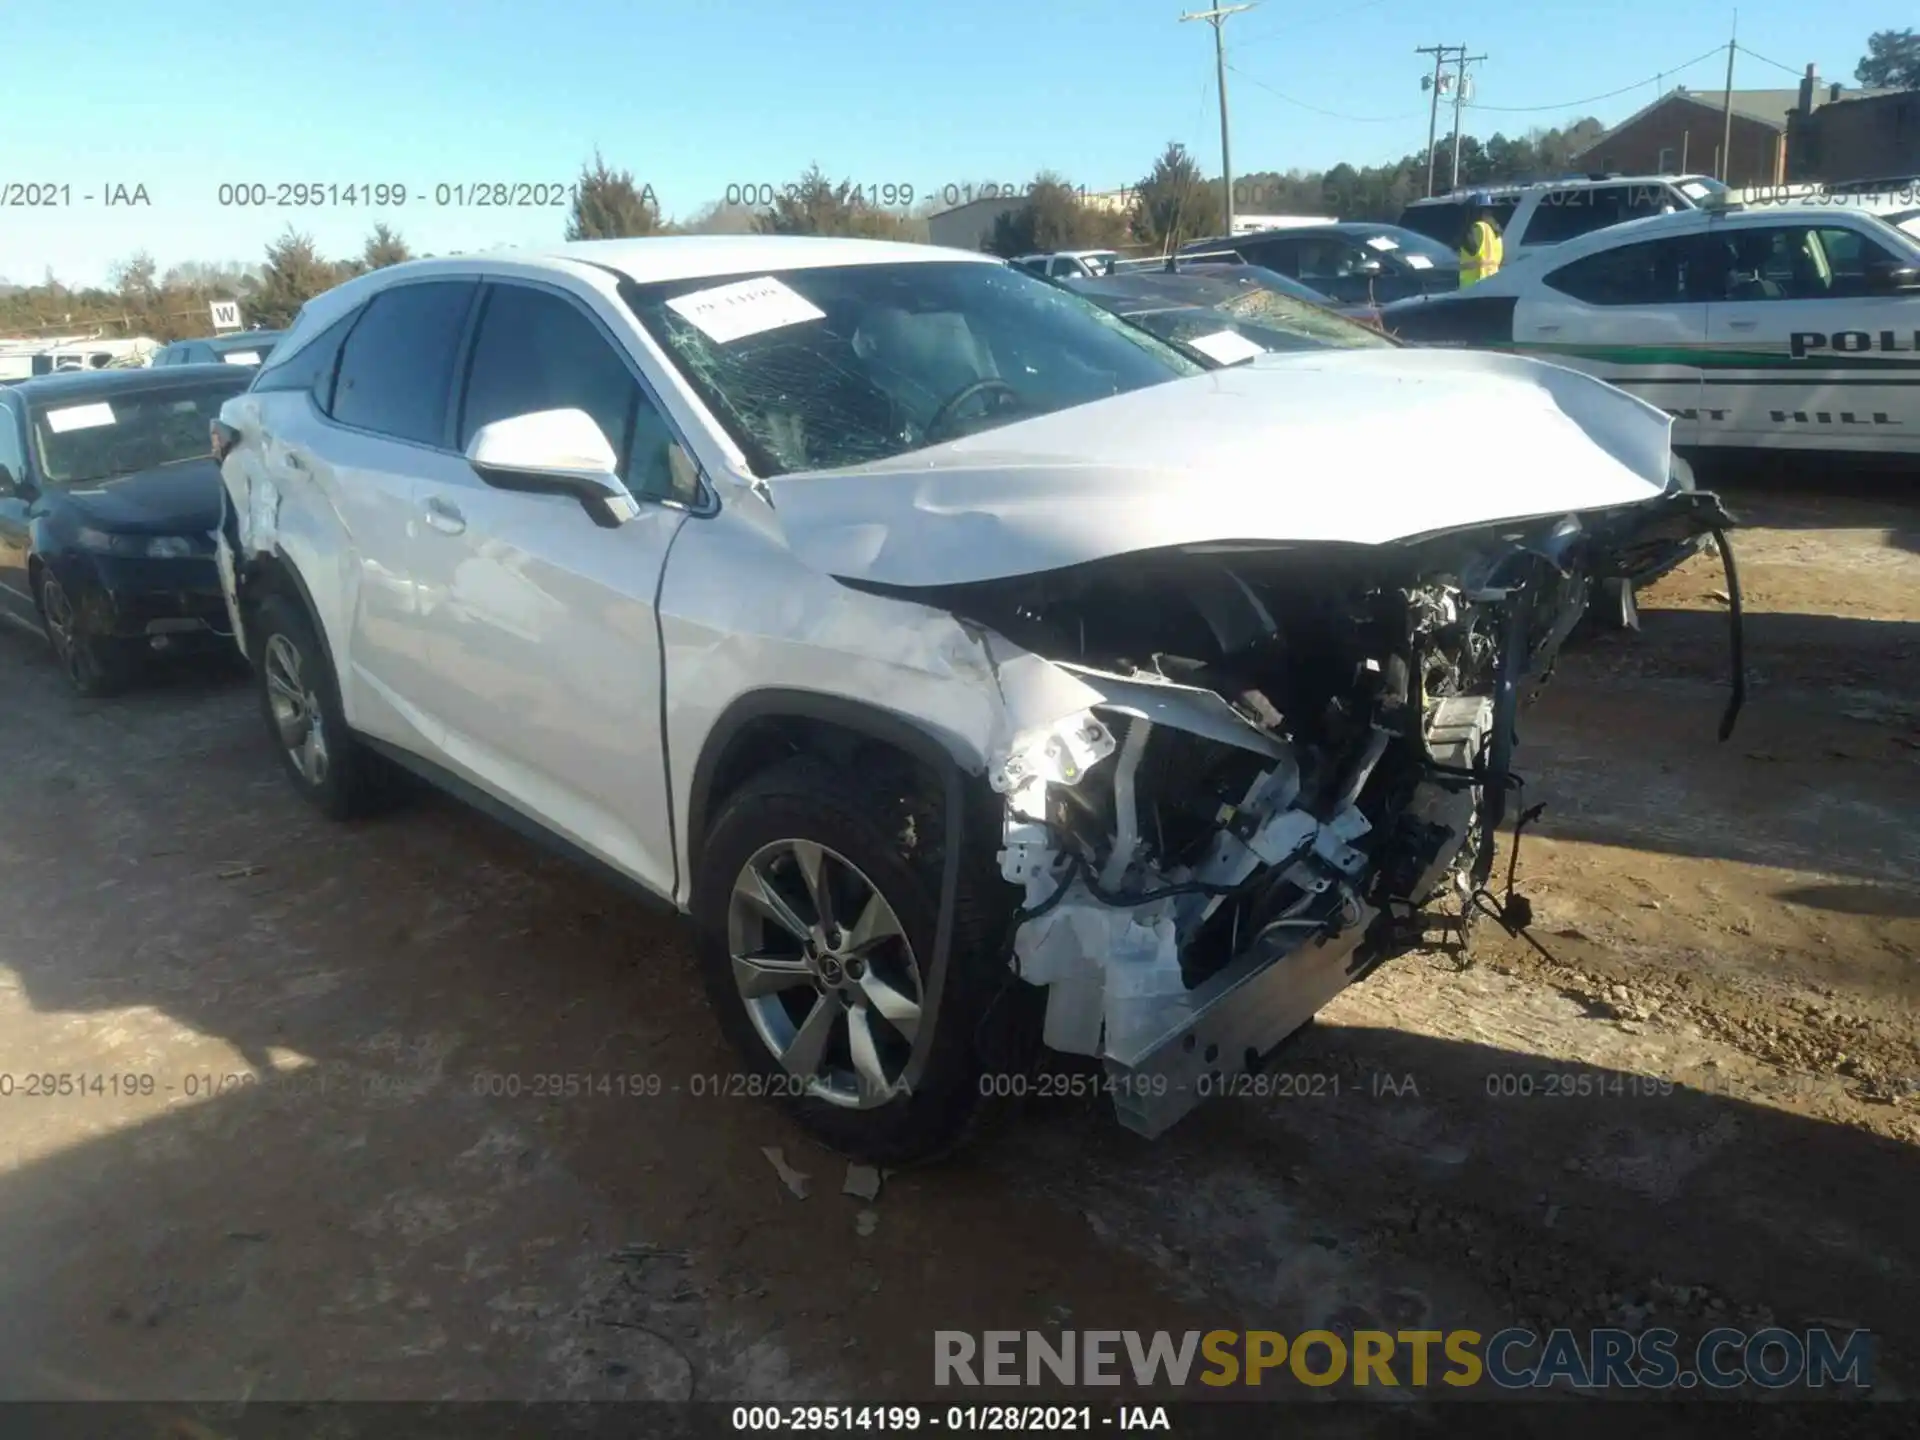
point(1541, 215)
point(109, 497)
point(1226, 315)
point(971, 666)
point(239, 347)
point(1230, 263)
point(23, 359)
point(1062, 263)
point(1906, 220)
point(1775, 326)
point(1355, 264)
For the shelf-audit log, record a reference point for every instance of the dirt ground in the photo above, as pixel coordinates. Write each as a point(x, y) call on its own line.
point(318, 1189)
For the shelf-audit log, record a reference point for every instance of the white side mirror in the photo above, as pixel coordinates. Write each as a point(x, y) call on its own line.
point(553, 452)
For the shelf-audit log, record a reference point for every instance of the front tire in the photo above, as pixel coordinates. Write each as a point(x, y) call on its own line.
point(300, 702)
point(96, 666)
point(815, 932)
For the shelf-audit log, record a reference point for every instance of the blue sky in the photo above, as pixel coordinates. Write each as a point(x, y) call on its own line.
point(184, 95)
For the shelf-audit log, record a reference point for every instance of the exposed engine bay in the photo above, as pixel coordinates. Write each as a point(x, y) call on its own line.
point(1296, 771)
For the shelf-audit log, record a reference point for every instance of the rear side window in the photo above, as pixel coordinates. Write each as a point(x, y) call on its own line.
point(1654, 272)
point(1281, 255)
point(311, 367)
point(396, 368)
point(1563, 214)
point(1438, 222)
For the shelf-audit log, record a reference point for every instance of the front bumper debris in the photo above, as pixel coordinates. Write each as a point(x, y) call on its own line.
point(1203, 866)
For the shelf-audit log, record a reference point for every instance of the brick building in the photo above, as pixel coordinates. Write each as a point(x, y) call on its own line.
point(1865, 137)
point(1683, 131)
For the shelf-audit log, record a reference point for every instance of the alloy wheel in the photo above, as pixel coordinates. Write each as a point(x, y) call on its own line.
point(826, 972)
point(297, 715)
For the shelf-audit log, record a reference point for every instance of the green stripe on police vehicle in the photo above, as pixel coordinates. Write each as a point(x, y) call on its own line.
point(1840, 350)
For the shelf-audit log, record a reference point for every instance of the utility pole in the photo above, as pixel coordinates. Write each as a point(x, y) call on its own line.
point(1439, 54)
point(1459, 98)
point(1216, 17)
point(1726, 137)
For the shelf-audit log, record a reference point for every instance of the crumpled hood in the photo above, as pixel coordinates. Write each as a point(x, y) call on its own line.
point(1354, 446)
point(181, 499)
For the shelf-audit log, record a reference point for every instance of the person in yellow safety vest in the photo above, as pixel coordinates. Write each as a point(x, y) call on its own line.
point(1482, 248)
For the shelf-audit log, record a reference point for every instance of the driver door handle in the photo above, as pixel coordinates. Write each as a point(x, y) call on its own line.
point(444, 516)
point(1741, 324)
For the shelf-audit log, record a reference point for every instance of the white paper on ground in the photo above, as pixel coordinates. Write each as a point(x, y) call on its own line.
point(1226, 346)
point(79, 417)
point(746, 307)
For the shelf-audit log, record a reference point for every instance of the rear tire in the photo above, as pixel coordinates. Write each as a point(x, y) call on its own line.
point(828, 1012)
point(300, 702)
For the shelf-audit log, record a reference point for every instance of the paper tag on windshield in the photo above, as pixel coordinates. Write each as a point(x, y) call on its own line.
point(242, 357)
point(1383, 242)
point(79, 417)
point(1418, 262)
point(746, 307)
point(1226, 346)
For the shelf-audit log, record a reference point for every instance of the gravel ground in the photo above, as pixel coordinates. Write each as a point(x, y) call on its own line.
point(319, 1190)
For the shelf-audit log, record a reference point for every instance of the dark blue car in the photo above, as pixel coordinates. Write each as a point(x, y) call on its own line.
point(240, 347)
point(1357, 263)
point(109, 497)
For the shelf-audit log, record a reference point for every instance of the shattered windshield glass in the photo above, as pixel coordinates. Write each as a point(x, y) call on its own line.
point(1223, 340)
point(1272, 311)
point(821, 368)
point(123, 433)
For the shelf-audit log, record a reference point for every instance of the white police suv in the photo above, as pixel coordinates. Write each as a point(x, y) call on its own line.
point(1793, 327)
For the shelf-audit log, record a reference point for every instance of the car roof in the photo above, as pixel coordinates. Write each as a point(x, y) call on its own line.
point(688, 257)
point(1332, 227)
point(1709, 217)
point(70, 386)
point(648, 260)
point(1466, 193)
point(1183, 289)
point(232, 339)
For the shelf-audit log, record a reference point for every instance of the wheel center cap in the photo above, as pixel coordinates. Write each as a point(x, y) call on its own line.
point(830, 970)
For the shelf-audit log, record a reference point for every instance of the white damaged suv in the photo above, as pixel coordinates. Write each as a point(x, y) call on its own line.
point(974, 670)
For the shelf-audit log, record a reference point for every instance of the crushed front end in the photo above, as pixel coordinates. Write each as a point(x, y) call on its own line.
point(1292, 768)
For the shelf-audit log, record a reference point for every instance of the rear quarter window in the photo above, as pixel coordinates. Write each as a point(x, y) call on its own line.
point(310, 368)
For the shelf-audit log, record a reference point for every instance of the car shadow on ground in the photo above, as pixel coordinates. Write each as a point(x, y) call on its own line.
point(388, 1208)
point(406, 1238)
point(1818, 492)
point(1817, 775)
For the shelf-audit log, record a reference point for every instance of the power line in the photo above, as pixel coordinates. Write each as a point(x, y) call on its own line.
point(1756, 55)
point(1294, 29)
point(1217, 18)
point(1331, 114)
point(1460, 63)
point(1654, 79)
point(1440, 54)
